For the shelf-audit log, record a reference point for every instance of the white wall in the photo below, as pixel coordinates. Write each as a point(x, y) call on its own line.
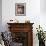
point(0, 15)
point(43, 6)
point(43, 14)
point(33, 13)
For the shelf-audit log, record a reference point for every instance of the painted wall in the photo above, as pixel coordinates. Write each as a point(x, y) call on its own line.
point(33, 13)
point(43, 6)
point(43, 14)
point(0, 15)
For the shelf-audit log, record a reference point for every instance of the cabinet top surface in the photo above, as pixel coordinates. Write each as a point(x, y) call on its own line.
point(19, 23)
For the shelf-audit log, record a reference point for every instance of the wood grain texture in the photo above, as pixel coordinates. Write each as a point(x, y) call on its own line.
point(23, 27)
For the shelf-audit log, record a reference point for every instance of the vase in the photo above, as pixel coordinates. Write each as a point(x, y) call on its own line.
point(41, 43)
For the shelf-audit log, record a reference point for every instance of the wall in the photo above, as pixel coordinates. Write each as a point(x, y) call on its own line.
point(43, 14)
point(0, 15)
point(33, 13)
point(43, 6)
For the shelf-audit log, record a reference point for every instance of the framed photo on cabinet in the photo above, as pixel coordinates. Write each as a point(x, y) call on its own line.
point(20, 9)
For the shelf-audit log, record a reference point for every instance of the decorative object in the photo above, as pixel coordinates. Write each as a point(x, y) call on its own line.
point(27, 21)
point(7, 38)
point(13, 21)
point(1, 40)
point(45, 34)
point(20, 9)
point(41, 36)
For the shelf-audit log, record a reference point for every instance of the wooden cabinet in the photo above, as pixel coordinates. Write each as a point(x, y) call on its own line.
point(22, 33)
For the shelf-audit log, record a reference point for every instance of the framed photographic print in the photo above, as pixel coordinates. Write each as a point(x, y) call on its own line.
point(20, 9)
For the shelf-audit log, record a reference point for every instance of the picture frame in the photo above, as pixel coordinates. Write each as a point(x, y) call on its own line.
point(20, 9)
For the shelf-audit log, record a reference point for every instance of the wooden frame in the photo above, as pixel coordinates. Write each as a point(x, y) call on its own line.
point(20, 9)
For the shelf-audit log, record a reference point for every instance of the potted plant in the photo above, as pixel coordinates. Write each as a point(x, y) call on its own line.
point(41, 36)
